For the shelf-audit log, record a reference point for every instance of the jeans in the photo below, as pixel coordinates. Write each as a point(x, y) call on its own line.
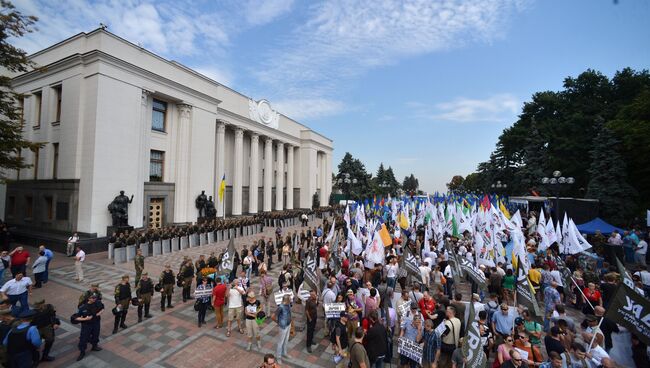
point(202, 308)
point(46, 274)
point(2, 275)
point(283, 340)
point(311, 326)
point(390, 281)
point(20, 298)
point(449, 286)
point(378, 364)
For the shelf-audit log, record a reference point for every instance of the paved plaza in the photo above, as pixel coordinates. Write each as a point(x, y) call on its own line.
point(170, 338)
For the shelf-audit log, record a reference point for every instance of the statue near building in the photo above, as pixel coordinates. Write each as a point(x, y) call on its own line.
point(200, 202)
point(119, 209)
point(210, 210)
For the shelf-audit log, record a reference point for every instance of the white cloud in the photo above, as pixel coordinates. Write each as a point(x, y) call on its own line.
point(344, 39)
point(307, 108)
point(259, 12)
point(464, 110)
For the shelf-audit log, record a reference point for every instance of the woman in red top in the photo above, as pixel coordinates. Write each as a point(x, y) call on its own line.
point(593, 296)
point(427, 306)
point(218, 300)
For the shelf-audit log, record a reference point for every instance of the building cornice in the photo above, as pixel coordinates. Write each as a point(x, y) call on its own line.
point(96, 55)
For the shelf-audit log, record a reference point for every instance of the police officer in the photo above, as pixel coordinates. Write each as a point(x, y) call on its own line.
point(22, 341)
point(89, 315)
point(122, 301)
point(46, 322)
point(139, 265)
point(94, 289)
point(166, 280)
point(187, 274)
point(144, 291)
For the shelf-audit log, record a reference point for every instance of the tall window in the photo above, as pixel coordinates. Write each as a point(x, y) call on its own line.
point(36, 156)
point(55, 164)
point(159, 115)
point(156, 164)
point(58, 92)
point(29, 206)
point(49, 208)
point(38, 101)
point(11, 206)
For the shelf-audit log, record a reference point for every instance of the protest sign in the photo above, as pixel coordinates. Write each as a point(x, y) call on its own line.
point(280, 294)
point(410, 349)
point(202, 293)
point(333, 310)
point(403, 309)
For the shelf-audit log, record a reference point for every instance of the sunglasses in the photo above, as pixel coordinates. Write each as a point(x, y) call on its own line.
point(517, 360)
point(509, 340)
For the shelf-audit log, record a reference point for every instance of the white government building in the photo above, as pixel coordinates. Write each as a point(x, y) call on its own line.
point(115, 116)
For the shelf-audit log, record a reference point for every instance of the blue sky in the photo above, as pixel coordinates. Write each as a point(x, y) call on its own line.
point(423, 86)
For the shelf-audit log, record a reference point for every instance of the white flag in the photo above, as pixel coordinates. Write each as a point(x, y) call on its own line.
point(330, 236)
point(541, 231)
point(375, 251)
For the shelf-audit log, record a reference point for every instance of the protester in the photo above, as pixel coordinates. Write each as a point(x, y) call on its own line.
point(16, 291)
point(49, 255)
point(311, 314)
point(450, 337)
point(219, 300)
point(203, 302)
point(503, 351)
point(282, 317)
point(431, 346)
point(19, 260)
point(235, 306)
point(339, 340)
point(252, 306)
point(358, 354)
point(79, 259)
point(516, 361)
point(38, 268)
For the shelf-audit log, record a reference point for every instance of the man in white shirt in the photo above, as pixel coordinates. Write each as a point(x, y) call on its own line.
point(72, 243)
point(450, 280)
point(640, 252)
point(16, 291)
point(79, 259)
point(235, 306)
point(425, 272)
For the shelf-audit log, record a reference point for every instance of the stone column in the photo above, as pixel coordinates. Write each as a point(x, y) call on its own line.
point(289, 177)
point(279, 178)
point(220, 165)
point(238, 172)
point(255, 169)
point(182, 195)
point(268, 173)
point(323, 179)
point(144, 153)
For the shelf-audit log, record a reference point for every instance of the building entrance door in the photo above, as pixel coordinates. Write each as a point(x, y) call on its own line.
point(156, 213)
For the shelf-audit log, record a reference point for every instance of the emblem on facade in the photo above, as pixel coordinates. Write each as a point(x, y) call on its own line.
point(262, 112)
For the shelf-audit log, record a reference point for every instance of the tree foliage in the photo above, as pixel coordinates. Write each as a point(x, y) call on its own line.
point(455, 185)
point(356, 170)
point(13, 24)
point(410, 184)
point(556, 131)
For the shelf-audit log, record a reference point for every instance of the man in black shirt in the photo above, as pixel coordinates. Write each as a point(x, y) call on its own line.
point(376, 339)
point(552, 341)
point(339, 337)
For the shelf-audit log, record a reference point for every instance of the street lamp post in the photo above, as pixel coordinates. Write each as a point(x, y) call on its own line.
point(498, 186)
point(346, 185)
point(384, 187)
point(555, 184)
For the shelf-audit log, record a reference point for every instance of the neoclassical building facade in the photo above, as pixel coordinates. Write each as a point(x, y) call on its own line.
point(114, 116)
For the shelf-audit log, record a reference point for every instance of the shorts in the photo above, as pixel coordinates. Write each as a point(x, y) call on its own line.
point(252, 328)
point(235, 313)
point(404, 360)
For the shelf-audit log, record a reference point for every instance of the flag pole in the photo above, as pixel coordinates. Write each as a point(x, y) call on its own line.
point(581, 292)
point(595, 333)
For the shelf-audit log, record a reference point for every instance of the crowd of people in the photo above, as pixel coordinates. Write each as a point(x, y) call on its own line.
point(426, 316)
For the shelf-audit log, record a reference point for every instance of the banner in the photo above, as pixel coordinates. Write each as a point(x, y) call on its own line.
point(526, 293)
point(228, 256)
point(410, 349)
point(333, 310)
point(567, 278)
point(632, 311)
point(453, 262)
point(403, 309)
point(627, 280)
point(473, 272)
point(410, 264)
point(310, 271)
point(472, 345)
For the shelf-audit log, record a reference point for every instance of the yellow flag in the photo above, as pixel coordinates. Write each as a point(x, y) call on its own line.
point(222, 188)
point(504, 210)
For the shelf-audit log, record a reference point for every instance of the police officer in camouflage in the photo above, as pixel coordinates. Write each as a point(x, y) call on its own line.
point(139, 265)
point(122, 301)
point(94, 289)
point(144, 291)
point(166, 281)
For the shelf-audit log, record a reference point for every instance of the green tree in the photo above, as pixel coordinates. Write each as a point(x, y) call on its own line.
point(455, 185)
point(473, 184)
point(356, 170)
point(608, 181)
point(410, 184)
point(393, 184)
point(13, 24)
point(632, 126)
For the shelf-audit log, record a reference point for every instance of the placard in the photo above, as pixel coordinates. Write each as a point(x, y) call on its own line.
point(440, 329)
point(403, 309)
point(279, 295)
point(333, 310)
point(202, 293)
point(410, 349)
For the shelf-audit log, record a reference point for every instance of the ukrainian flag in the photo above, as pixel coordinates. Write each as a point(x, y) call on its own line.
point(222, 187)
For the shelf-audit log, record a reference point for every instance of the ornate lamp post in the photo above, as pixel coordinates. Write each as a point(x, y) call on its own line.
point(498, 187)
point(346, 185)
point(555, 184)
point(384, 187)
